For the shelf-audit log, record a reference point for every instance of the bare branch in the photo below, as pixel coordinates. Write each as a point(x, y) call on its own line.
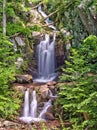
point(15, 35)
point(37, 5)
point(51, 14)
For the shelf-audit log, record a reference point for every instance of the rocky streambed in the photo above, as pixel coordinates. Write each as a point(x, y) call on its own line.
point(45, 92)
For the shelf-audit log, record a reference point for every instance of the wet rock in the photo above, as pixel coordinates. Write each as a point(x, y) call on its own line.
point(49, 113)
point(51, 83)
point(59, 52)
point(44, 91)
point(52, 87)
point(23, 78)
point(37, 37)
point(50, 109)
point(9, 123)
point(49, 116)
point(53, 94)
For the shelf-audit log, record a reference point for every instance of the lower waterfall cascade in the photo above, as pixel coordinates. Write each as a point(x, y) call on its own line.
point(30, 108)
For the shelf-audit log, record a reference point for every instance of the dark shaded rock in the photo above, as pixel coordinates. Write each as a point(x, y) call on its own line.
point(67, 124)
point(59, 51)
point(50, 109)
point(23, 78)
point(51, 83)
point(49, 116)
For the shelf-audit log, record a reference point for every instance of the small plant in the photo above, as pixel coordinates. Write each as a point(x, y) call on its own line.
point(43, 126)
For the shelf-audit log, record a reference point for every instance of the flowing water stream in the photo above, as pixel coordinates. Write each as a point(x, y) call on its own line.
point(46, 59)
point(46, 73)
point(30, 113)
point(48, 21)
point(46, 53)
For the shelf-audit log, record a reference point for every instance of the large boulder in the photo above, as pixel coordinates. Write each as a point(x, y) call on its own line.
point(49, 116)
point(52, 83)
point(20, 41)
point(7, 124)
point(44, 91)
point(24, 78)
point(19, 87)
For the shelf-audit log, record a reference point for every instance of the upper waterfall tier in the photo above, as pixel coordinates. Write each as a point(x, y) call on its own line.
point(46, 59)
point(48, 21)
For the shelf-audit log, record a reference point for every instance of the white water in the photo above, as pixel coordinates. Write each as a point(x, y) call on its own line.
point(46, 54)
point(33, 106)
point(46, 59)
point(46, 70)
point(26, 104)
point(51, 95)
point(46, 106)
point(48, 21)
point(30, 113)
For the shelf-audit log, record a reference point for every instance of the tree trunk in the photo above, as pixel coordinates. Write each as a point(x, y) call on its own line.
point(4, 18)
point(88, 20)
point(86, 116)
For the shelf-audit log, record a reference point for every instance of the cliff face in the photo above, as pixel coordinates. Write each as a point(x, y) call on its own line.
point(27, 45)
point(59, 46)
point(78, 23)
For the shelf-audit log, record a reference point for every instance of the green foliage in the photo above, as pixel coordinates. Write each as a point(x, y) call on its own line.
point(79, 93)
point(13, 28)
point(8, 104)
point(16, 12)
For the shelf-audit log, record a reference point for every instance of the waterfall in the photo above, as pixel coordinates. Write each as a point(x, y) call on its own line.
point(46, 106)
point(46, 73)
point(51, 95)
point(48, 21)
point(33, 106)
point(46, 59)
point(30, 113)
point(26, 104)
point(46, 53)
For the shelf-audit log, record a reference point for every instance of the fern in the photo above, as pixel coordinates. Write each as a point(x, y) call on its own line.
point(81, 95)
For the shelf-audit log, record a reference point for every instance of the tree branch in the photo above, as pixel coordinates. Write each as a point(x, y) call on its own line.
point(51, 14)
point(15, 35)
point(37, 5)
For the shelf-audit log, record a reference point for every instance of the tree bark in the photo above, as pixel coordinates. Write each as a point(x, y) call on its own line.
point(4, 18)
point(87, 19)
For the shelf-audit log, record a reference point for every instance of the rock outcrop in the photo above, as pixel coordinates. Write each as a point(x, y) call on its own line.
point(24, 78)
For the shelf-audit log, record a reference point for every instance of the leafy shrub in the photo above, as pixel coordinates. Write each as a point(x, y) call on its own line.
point(78, 92)
point(8, 104)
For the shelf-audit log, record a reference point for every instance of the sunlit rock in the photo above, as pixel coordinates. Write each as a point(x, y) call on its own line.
point(44, 91)
point(19, 62)
point(23, 78)
point(20, 41)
